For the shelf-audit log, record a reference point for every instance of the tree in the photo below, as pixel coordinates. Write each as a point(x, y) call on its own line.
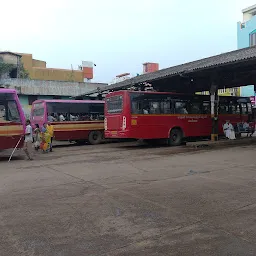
point(5, 67)
point(23, 72)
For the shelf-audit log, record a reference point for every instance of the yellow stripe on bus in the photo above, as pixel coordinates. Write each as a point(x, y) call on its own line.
point(78, 126)
point(78, 129)
point(11, 130)
point(11, 127)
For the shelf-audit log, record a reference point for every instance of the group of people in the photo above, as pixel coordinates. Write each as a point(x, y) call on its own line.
point(74, 117)
point(229, 130)
point(38, 139)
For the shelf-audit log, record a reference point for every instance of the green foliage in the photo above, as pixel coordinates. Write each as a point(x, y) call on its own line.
point(23, 72)
point(5, 67)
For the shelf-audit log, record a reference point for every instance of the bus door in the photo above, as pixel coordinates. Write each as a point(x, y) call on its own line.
point(4, 138)
point(205, 119)
point(114, 108)
point(187, 117)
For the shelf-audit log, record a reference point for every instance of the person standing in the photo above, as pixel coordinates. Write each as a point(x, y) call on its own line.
point(50, 130)
point(28, 145)
point(46, 139)
point(37, 137)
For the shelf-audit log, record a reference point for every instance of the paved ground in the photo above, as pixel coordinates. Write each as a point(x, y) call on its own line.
point(120, 199)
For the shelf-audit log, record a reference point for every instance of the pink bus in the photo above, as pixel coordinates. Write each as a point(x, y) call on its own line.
point(12, 119)
point(74, 120)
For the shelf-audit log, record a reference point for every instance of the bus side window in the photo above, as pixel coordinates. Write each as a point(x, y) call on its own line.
point(223, 108)
point(181, 107)
point(154, 107)
point(2, 112)
point(235, 108)
point(206, 109)
point(166, 107)
point(97, 110)
point(244, 109)
point(136, 107)
point(249, 106)
point(81, 111)
point(195, 107)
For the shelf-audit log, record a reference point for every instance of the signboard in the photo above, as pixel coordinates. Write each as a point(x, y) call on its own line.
point(253, 100)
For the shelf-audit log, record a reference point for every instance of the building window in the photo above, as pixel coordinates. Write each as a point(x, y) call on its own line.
point(31, 99)
point(253, 38)
point(56, 97)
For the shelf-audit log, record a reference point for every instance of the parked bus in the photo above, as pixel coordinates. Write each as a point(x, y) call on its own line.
point(73, 120)
point(12, 120)
point(172, 116)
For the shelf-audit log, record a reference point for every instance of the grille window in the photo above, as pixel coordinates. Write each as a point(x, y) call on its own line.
point(115, 104)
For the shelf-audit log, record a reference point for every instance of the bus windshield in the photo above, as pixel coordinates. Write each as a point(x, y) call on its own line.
point(38, 110)
point(8, 108)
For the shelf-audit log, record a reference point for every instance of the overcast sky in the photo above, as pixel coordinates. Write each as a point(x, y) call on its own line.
point(117, 35)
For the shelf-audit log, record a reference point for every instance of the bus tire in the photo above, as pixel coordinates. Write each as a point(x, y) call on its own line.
point(176, 137)
point(95, 137)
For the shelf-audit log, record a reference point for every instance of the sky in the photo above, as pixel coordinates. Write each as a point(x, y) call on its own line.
point(117, 35)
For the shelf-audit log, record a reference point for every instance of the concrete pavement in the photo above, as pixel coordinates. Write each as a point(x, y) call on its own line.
point(121, 199)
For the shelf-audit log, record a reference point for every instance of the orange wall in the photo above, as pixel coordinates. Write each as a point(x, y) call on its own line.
point(57, 74)
point(88, 72)
point(150, 67)
point(38, 63)
point(37, 70)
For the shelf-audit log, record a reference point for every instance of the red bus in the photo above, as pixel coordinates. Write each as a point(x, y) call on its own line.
point(12, 120)
point(172, 116)
point(73, 120)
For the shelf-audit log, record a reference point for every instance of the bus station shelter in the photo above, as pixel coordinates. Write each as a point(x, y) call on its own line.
point(227, 70)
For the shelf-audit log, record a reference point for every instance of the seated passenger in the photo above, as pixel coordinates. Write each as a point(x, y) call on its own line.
point(61, 118)
point(229, 130)
point(245, 126)
point(73, 118)
point(145, 111)
point(2, 114)
point(51, 118)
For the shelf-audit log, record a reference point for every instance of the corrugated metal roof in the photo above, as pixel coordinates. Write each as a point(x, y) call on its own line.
point(194, 66)
point(11, 53)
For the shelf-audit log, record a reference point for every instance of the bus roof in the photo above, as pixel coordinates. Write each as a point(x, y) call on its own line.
point(173, 93)
point(4, 90)
point(70, 101)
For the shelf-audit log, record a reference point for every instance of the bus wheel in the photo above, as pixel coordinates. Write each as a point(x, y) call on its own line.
point(95, 137)
point(175, 138)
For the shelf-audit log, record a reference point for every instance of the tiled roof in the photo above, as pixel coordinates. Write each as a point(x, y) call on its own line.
point(220, 60)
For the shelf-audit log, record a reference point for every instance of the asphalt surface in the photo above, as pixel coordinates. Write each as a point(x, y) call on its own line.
point(125, 199)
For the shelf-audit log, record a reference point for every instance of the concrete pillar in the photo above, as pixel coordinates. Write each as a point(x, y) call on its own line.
point(214, 98)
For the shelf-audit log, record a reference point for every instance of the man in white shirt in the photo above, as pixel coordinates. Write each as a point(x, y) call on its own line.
point(28, 145)
point(229, 130)
point(61, 118)
point(51, 118)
